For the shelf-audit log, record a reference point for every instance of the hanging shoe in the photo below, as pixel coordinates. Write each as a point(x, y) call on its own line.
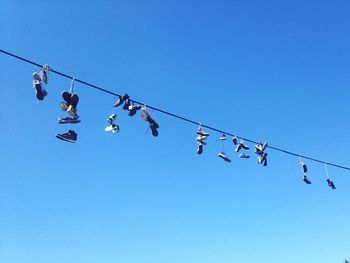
point(243, 145)
point(133, 109)
point(243, 155)
point(238, 148)
point(45, 73)
point(120, 100)
point(70, 136)
point(306, 180)
point(199, 148)
point(234, 140)
point(72, 111)
point(40, 92)
point(202, 133)
point(224, 157)
point(67, 97)
point(154, 127)
point(303, 167)
point(111, 119)
point(36, 76)
point(113, 128)
point(262, 159)
point(68, 120)
point(127, 104)
point(331, 184)
point(74, 100)
point(222, 137)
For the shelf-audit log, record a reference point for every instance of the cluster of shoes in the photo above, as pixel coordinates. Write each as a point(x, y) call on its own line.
point(130, 106)
point(201, 137)
point(260, 151)
point(239, 146)
point(69, 105)
point(113, 128)
point(304, 170)
point(38, 78)
point(153, 125)
point(222, 154)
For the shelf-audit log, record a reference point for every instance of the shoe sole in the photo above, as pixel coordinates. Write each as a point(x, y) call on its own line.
point(58, 136)
point(63, 121)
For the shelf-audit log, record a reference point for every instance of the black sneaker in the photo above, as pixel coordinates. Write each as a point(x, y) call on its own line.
point(306, 180)
point(331, 184)
point(262, 159)
point(68, 120)
point(202, 133)
point(234, 140)
point(154, 126)
point(67, 97)
point(303, 167)
point(70, 136)
point(133, 110)
point(127, 104)
point(40, 92)
point(120, 100)
point(224, 157)
point(243, 155)
point(200, 148)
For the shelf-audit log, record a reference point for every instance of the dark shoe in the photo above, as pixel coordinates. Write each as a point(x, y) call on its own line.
point(202, 133)
point(120, 100)
point(39, 90)
point(133, 110)
point(67, 97)
point(243, 155)
point(200, 148)
point(70, 136)
point(127, 104)
point(331, 184)
point(224, 157)
point(74, 100)
point(68, 120)
point(303, 167)
point(111, 119)
point(306, 180)
point(234, 140)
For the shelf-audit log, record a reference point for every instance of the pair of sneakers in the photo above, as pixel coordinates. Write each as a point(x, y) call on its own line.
point(131, 107)
point(304, 170)
point(201, 137)
point(241, 145)
point(113, 128)
point(70, 103)
point(38, 78)
point(223, 156)
point(260, 151)
point(152, 123)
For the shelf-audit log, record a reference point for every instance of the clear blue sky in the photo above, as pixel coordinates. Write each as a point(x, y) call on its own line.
point(275, 71)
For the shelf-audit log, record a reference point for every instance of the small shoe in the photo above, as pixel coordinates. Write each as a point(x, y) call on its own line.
point(154, 126)
point(331, 184)
point(120, 100)
point(64, 106)
point(243, 145)
point(74, 100)
point(67, 97)
point(39, 90)
point(133, 110)
point(303, 167)
point(224, 157)
point(306, 180)
point(222, 137)
point(243, 155)
point(238, 148)
point(234, 140)
point(144, 114)
point(70, 136)
point(68, 120)
point(45, 73)
point(112, 118)
point(72, 111)
point(127, 104)
point(36, 76)
point(200, 149)
point(202, 133)
point(113, 128)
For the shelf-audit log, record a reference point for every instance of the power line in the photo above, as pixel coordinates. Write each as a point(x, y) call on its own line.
point(177, 116)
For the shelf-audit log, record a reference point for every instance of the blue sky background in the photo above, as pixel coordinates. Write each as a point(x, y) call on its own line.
point(275, 71)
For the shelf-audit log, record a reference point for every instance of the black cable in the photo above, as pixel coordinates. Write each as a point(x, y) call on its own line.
point(177, 116)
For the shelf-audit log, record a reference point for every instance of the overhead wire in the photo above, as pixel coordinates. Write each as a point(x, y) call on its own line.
point(177, 116)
